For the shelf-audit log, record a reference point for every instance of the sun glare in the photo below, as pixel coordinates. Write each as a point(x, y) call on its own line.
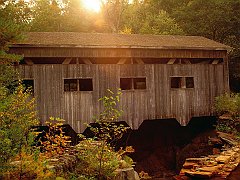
point(92, 5)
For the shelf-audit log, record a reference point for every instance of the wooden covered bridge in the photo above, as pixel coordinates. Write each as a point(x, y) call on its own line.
point(160, 76)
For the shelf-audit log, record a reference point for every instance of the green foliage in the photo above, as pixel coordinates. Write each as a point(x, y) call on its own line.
point(98, 158)
point(229, 106)
point(160, 23)
point(110, 112)
point(47, 16)
point(228, 103)
point(17, 115)
point(108, 130)
point(13, 17)
point(91, 153)
point(143, 18)
point(28, 165)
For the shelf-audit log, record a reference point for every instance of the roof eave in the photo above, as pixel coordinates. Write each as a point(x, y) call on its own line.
point(226, 48)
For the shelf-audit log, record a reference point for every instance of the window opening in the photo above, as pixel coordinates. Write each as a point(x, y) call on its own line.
point(182, 82)
point(126, 83)
point(176, 82)
point(132, 83)
point(189, 82)
point(28, 84)
point(85, 85)
point(139, 83)
point(70, 85)
point(78, 85)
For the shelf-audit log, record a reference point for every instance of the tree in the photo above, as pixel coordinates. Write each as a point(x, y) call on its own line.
point(160, 23)
point(144, 18)
point(47, 16)
point(113, 12)
point(16, 109)
point(12, 23)
point(215, 19)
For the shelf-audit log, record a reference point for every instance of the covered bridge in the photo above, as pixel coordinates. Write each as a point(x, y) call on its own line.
point(160, 76)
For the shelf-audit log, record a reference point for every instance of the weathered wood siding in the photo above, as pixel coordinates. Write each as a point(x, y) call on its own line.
point(116, 52)
point(156, 102)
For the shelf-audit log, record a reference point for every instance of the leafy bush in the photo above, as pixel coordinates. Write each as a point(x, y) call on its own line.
point(97, 159)
point(228, 103)
point(108, 130)
point(54, 140)
point(29, 165)
point(17, 115)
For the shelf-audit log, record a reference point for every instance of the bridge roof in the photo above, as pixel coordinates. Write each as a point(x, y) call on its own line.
point(125, 41)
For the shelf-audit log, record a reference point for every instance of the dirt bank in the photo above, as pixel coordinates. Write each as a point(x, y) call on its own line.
point(161, 146)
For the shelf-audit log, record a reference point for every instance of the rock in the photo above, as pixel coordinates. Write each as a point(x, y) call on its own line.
point(196, 159)
point(212, 169)
point(227, 138)
point(136, 176)
point(188, 165)
point(198, 174)
point(215, 141)
point(226, 117)
point(126, 174)
point(223, 159)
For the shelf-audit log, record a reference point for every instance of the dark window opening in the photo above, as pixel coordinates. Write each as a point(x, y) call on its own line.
point(139, 83)
point(85, 85)
point(78, 85)
point(70, 85)
point(126, 83)
point(176, 82)
point(28, 84)
point(182, 82)
point(132, 83)
point(189, 82)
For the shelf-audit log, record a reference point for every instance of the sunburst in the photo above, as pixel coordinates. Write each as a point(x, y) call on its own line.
point(92, 5)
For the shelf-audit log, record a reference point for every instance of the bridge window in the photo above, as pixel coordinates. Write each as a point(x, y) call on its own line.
point(126, 83)
point(139, 83)
point(176, 82)
point(78, 85)
point(28, 84)
point(132, 83)
point(70, 85)
point(182, 82)
point(189, 82)
point(85, 85)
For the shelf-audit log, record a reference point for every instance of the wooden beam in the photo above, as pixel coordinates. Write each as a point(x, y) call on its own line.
point(87, 61)
point(204, 62)
point(67, 61)
point(171, 61)
point(122, 61)
point(215, 61)
point(139, 61)
point(187, 61)
point(29, 62)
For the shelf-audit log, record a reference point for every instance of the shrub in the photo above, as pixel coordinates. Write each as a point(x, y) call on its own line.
point(17, 115)
point(28, 165)
point(91, 153)
point(98, 158)
point(228, 103)
point(54, 141)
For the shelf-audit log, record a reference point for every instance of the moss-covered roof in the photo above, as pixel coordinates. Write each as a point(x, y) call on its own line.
point(101, 40)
